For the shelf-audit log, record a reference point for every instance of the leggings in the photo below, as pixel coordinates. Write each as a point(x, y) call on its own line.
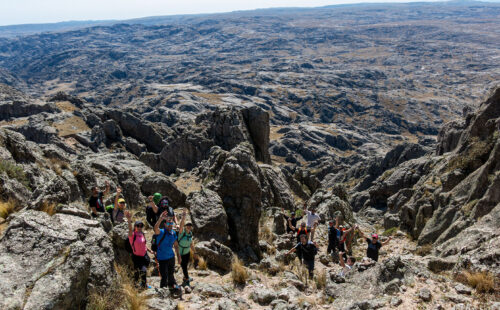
point(167, 268)
point(184, 264)
point(140, 269)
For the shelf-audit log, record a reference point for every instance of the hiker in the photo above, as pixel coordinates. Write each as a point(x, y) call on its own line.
point(140, 250)
point(374, 245)
point(151, 216)
point(344, 233)
point(96, 202)
point(333, 240)
point(163, 205)
point(186, 247)
point(306, 251)
point(312, 220)
point(302, 231)
point(166, 238)
point(117, 211)
point(291, 221)
point(346, 266)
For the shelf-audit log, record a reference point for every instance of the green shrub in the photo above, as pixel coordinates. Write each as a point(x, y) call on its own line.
point(390, 232)
point(14, 172)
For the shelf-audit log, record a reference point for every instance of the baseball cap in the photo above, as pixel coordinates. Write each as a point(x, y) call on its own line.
point(374, 236)
point(156, 198)
point(121, 200)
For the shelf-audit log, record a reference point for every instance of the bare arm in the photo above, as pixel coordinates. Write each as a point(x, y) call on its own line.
point(118, 192)
point(152, 204)
point(183, 221)
point(291, 251)
point(129, 221)
point(341, 259)
point(157, 225)
point(337, 222)
point(106, 191)
point(387, 241)
point(290, 224)
point(361, 234)
point(176, 248)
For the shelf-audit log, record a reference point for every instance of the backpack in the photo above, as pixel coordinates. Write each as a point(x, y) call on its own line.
point(154, 246)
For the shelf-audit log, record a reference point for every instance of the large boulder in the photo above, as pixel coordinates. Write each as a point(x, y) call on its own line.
point(160, 183)
point(215, 254)
point(328, 205)
point(208, 216)
point(237, 183)
point(52, 262)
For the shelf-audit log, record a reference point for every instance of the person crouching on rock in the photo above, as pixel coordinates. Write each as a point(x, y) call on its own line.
point(373, 245)
point(347, 266)
point(140, 250)
point(306, 251)
point(166, 238)
point(186, 246)
point(96, 203)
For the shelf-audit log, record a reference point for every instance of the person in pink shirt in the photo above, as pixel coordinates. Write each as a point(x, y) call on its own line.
point(140, 250)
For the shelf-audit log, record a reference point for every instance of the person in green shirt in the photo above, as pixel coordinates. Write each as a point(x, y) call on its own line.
point(186, 246)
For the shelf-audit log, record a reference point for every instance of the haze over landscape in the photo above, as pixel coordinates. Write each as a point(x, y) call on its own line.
point(382, 117)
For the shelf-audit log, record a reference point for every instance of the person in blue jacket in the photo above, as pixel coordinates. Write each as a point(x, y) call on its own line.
point(166, 241)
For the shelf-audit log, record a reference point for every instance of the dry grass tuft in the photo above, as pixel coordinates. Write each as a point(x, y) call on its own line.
point(321, 279)
point(99, 300)
point(7, 207)
point(180, 306)
point(202, 264)
point(265, 231)
point(239, 273)
point(49, 207)
point(482, 281)
point(134, 299)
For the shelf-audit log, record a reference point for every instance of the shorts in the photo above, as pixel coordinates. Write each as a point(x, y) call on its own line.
point(309, 264)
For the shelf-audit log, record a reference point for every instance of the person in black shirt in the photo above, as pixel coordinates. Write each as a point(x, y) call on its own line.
point(373, 245)
point(333, 233)
point(291, 221)
point(96, 202)
point(306, 251)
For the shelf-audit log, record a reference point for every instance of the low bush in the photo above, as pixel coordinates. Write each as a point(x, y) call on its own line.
point(483, 282)
point(14, 171)
point(239, 273)
point(390, 232)
point(7, 207)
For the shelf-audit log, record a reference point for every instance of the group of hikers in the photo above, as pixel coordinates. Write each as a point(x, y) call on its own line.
point(174, 240)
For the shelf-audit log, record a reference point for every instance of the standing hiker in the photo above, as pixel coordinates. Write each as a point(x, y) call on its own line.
point(333, 240)
point(312, 220)
point(374, 245)
point(139, 249)
point(151, 216)
point(166, 239)
point(163, 205)
point(117, 211)
point(96, 202)
point(302, 231)
point(291, 222)
point(306, 251)
point(186, 247)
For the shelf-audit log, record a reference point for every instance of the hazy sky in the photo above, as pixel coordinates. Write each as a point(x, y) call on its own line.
point(44, 11)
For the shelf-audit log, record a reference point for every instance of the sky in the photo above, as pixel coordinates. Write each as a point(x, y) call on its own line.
point(47, 11)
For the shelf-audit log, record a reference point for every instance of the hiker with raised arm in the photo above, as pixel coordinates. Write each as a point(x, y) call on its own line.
point(166, 243)
point(291, 221)
point(333, 240)
point(343, 239)
point(96, 202)
point(163, 205)
point(306, 251)
point(346, 266)
point(117, 211)
point(302, 231)
point(374, 245)
point(186, 246)
point(139, 249)
point(312, 220)
point(151, 216)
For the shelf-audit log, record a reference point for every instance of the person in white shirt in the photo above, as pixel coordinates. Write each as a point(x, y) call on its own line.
point(312, 220)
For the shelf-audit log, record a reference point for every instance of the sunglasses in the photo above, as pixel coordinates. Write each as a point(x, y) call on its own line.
point(169, 223)
point(140, 226)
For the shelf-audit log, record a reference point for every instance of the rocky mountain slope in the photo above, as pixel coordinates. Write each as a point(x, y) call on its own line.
point(236, 116)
